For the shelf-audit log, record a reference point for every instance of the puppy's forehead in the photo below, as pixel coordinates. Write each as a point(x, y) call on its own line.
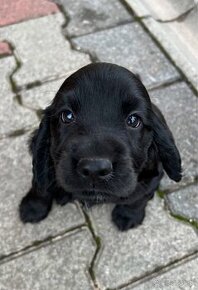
point(102, 84)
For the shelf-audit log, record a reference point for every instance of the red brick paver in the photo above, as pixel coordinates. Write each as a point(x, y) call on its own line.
point(5, 48)
point(12, 11)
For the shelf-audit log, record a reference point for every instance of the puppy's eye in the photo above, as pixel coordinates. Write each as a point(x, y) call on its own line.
point(67, 116)
point(133, 121)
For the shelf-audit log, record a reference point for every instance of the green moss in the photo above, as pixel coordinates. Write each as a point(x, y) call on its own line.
point(39, 113)
point(193, 223)
point(160, 193)
point(98, 247)
point(33, 84)
point(17, 133)
point(14, 86)
point(18, 99)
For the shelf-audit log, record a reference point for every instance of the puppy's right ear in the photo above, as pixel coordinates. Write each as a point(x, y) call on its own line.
point(37, 203)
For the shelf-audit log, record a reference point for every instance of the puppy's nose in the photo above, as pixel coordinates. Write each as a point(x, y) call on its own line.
point(94, 168)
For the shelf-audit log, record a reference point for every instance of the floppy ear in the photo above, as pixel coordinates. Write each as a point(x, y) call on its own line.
point(167, 150)
point(42, 164)
point(38, 201)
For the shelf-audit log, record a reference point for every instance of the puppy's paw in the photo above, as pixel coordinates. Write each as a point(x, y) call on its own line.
point(126, 218)
point(62, 197)
point(33, 210)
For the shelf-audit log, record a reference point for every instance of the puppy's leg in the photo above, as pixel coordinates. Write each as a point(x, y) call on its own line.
point(128, 216)
point(132, 214)
point(34, 207)
point(62, 197)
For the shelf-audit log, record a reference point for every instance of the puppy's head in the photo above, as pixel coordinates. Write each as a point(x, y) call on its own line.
point(101, 132)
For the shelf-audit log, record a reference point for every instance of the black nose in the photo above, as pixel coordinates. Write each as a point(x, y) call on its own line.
point(94, 168)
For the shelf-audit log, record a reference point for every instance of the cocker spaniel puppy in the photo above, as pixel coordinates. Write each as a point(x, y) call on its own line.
point(101, 140)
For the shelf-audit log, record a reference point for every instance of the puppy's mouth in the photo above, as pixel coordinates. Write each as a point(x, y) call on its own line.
point(96, 192)
point(96, 197)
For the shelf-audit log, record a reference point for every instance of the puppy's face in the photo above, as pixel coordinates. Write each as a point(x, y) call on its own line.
point(100, 126)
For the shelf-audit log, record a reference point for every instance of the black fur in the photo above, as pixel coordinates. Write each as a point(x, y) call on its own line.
point(101, 97)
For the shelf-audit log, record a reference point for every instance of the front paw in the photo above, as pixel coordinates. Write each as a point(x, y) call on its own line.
point(33, 209)
point(62, 197)
point(126, 218)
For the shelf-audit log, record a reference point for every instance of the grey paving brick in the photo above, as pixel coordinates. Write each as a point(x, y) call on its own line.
point(88, 16)
point(40, 97)
point(183, 277)
point(179, 106)
point(12, 115)
point(42, 37)
point(184, 202)
point(61, 265)
point(169, 11)
point(124, 256)
point(15, 180)
point(181, 44)
point(130, 46)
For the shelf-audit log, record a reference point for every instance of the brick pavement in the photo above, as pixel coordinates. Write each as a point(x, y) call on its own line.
point(41, 43)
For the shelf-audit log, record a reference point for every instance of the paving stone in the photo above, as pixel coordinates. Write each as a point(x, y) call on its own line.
point(179, 106)
point(183, 277)
point(40, 97)
point(5, 49)
point(130, 46)
point(181, 44)
point(88, 16)
point(12, 115)
point(61, 265)
point(15, 181)
point(54, 56)
point(124, 256)
point(184, 202)
point(166, 12)
point(20, 10)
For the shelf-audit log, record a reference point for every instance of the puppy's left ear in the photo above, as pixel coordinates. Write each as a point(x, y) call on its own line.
point(167, 150)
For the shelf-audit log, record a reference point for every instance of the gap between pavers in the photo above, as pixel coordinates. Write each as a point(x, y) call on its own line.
point(184, 203)
point(87, 16)
point(128, 256)
point(62, 264)
point(39, 97)
point(184, 277)
point(181, 43)
point(15, 181)
point(169, 11)
point(129, 46)
point(42, 56)
point(13, 116)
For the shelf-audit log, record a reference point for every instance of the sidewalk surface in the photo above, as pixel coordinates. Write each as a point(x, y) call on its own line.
point(41, 43)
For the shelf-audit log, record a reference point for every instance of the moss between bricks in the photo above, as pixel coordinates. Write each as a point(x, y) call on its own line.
point(98, 247)
point(39, 243)
point(160, 193)
point(192, 222)
point(15, 89)
point(39, 113)
point(180, 218)
point(17, 133)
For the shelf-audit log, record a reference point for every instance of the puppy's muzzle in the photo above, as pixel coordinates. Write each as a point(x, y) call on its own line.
point(94, 168)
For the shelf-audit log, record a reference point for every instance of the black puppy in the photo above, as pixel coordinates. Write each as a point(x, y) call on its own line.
point(101, 140)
